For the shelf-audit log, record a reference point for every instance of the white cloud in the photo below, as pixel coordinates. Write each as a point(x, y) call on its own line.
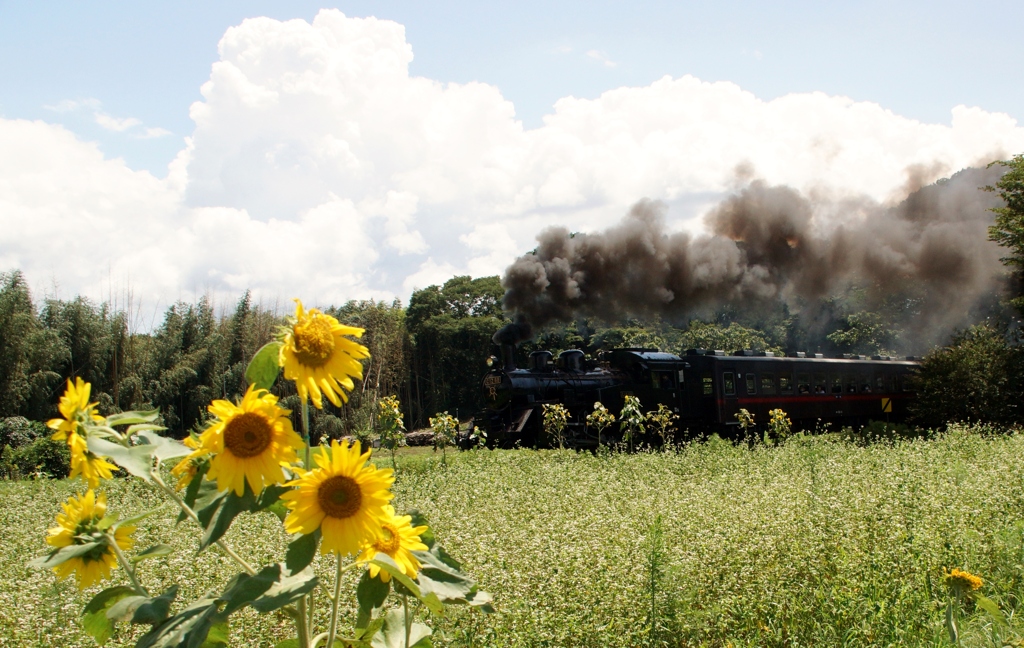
point(116, 124)
point(319, 167)
point(601, 57)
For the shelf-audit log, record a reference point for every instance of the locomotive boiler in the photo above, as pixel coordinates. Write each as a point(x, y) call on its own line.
point(706, 389)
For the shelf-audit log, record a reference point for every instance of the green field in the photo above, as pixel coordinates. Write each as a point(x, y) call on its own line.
point(817, 543)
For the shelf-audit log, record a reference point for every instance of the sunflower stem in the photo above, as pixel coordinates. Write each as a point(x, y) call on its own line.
point(305, 431)
point(126, 566)
point(334, 602)
point(407, 620)
point(195, 518)
point(302, 623)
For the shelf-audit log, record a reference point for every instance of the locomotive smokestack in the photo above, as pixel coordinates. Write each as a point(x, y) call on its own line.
point(507, 337)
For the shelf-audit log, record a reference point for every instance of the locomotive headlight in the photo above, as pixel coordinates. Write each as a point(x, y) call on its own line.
point(490, 361)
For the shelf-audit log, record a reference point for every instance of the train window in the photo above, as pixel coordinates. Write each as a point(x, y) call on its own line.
point(803, 384)
point(663, 379)
point(730, 383)
point(865, 384)
point(879, 383)
point(708, 385)
point(837, 384)
point(785, 383)
point(906, 384)
point(767, 383)
point(751, 384)
point(680, 376)
point(819, 383)
point(851, 384)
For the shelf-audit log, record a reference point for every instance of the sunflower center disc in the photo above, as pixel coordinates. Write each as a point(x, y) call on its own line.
point(340, 497)
point(390, 542)
point(247, 435)
point(314, 341)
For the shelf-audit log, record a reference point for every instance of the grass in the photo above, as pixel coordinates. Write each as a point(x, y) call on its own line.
point(816, 543)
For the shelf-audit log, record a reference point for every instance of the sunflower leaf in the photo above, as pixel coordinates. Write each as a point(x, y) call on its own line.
point(138, 460)
point(64, 554)
point(371, 594)
point(153, 611)
point(163, 448)
point(156, 551)
point(301, 552)
point(385, 562)
point(136, 518)
point(217, 517)
point(418, 519)
point(263, 368)
point(190, 627)
point(287, 589)
point(133, 417)
point(94, 615)
point(392, 632)
point(198, 490)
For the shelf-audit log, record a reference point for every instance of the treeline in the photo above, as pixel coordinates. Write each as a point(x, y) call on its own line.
point(433, 353)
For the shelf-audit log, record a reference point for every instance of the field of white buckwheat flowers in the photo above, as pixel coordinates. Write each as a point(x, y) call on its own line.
point(817, 543)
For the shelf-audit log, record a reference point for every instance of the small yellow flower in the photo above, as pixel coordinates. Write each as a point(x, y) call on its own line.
point(188, 467)
point(78, 525)
point(319, 358)
point(248, 442)
point(962, 581)
point(399, 540)
point(344, 497)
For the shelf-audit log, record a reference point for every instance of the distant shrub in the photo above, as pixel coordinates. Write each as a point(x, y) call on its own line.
point(42, 456)
point(18, 431)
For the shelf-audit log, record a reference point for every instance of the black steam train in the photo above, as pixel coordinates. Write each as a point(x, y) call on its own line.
point(705, 388)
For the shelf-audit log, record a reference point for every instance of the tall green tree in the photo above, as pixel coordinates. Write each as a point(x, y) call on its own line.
point(1008, 229)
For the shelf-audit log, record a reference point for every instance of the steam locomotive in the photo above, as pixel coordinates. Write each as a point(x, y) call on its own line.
point(706, 389)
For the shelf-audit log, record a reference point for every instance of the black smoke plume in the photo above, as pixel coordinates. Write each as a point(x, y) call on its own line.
point(770, 243)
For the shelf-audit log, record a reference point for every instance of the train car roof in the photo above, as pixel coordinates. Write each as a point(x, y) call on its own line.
point(811, 360)
point(647, 355)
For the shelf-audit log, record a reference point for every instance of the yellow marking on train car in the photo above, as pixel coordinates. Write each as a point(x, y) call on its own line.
point(887, 405)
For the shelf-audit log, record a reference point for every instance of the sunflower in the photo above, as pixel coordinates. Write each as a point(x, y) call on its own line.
point(188, 468)
point(77, 410)
point(74, 407)
point(248, 442)
point(92, 468)
point(959, 580)
point(78, 524)
point(319, 358)
point(344, 498)
point(399, 540)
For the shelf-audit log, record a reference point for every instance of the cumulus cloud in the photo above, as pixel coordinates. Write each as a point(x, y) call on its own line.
point(319, 167)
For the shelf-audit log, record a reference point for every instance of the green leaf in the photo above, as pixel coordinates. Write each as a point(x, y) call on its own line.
point(199, 490)
point(124, 610)
point(94, 616)
point(301, 552)
point(156, 551)
point(385, 562)
point(991, 608)
point(186, 629)
point(218, 636)
point(371, 594)
point(155, 610)
point(164, 448)
point(107, 522)
point(263, 368)
point(142, 427)
point(133, 417)
point(220, 512)
point(243, 589)
point(137, 460)
point(392, 633)
point(287, 590)
point(136, 518)
point(270, 496)
point(64, 554)
point(371, 628)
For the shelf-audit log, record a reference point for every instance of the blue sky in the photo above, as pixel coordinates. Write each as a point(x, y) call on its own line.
point(147, 60)
point(173, 149)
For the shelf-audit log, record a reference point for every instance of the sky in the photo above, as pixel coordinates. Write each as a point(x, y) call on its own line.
point(363, 150)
